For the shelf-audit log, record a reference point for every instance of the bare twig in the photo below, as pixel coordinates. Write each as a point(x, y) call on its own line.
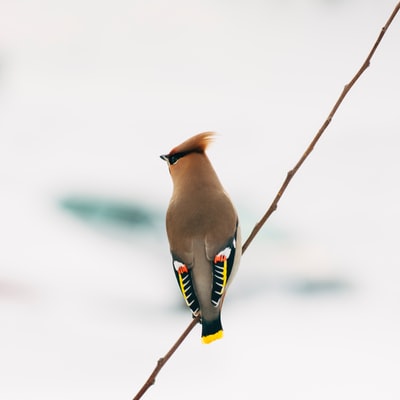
point(160, 363)
point(274, 205)
point(292, 172)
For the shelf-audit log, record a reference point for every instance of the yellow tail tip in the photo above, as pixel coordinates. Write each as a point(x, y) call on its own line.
point(210, 338)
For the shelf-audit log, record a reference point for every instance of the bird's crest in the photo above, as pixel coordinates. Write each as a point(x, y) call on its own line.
point(195, 144)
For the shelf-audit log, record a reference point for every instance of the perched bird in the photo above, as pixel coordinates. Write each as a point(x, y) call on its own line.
point(203, 233)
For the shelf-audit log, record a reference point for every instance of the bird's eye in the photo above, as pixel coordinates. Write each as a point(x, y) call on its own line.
point(173, 158)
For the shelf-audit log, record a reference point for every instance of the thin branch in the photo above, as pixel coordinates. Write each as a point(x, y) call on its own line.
point(292, 172)
point(274, 205)
point(160, 363)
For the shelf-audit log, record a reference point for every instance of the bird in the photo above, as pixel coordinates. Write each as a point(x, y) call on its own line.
point(203, 233)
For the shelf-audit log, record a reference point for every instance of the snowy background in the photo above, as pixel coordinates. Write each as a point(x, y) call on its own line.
point(91, 93)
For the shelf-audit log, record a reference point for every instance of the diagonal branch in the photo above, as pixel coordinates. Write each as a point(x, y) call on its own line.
point(160, 363)
point(292, 172)
point(274, 205)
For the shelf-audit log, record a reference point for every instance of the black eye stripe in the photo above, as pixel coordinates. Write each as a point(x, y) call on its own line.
point(173, 158)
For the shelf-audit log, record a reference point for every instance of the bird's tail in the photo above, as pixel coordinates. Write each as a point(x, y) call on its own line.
point(211, 330)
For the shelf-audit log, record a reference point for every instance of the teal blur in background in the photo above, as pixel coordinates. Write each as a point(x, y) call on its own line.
point(92, 92)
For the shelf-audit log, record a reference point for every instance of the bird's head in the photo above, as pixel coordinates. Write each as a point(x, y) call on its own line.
point(196, 144)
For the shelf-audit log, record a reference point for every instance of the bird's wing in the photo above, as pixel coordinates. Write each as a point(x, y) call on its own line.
point(222, 266)
point(184, 277)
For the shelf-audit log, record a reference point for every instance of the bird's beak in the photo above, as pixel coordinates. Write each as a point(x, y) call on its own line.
point(164, 157)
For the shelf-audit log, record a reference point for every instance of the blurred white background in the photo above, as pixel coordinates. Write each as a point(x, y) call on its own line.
point(92, 92)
